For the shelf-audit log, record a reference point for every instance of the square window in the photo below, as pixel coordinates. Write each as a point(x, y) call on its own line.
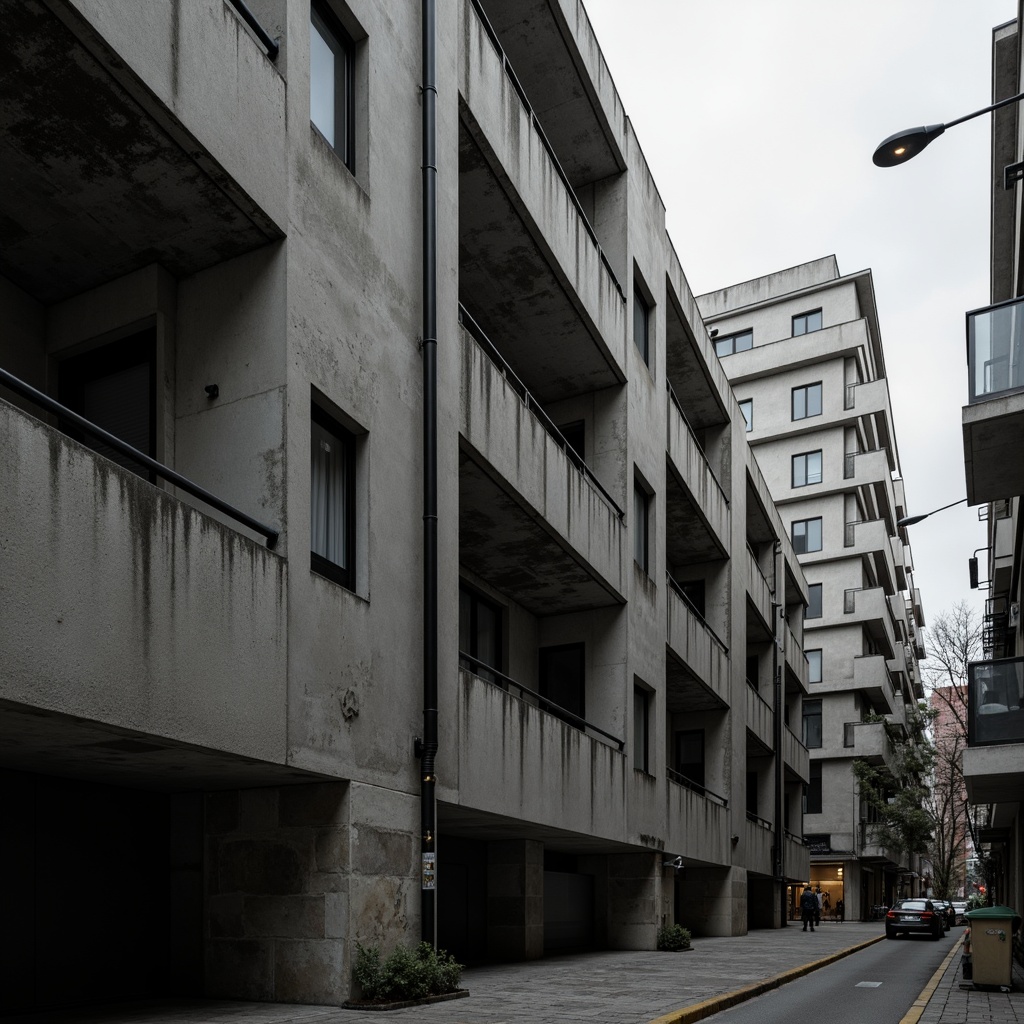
point(807, 468)
point(806, 535)
point(730, 343)
point(807, 401)
point(813, 601)
point(641, 503)
point(805, 323)
point(332, 81)
point(747, 408)
point(813, 665)
point(332, 500)
point(641, 325)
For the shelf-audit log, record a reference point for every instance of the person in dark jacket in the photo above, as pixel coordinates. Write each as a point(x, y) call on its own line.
point(808, 908)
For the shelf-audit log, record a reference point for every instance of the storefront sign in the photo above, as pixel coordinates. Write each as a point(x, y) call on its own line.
point(819, 843)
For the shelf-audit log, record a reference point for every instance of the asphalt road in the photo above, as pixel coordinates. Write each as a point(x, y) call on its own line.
point(877, 985)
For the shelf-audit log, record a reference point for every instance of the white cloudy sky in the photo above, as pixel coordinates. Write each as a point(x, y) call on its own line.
point(758, 119)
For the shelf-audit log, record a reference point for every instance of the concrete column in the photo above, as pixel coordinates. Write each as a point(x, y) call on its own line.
point(713, 901)
point(634, 900)
point(515, 899)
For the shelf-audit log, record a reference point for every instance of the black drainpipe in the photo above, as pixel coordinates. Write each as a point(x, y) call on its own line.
point(427, 749)
point(778, 641)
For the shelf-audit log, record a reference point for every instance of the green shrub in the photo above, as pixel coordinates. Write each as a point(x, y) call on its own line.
point(673, 937)
point(405, 974)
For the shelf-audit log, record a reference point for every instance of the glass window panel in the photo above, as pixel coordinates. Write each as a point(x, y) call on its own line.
point(813, 601)
point(322, 79)
point(814, 666)
point(747, 408)
point(744, 341)
point(812, 724)
point(799, 403)
point(814, 468)
point(814, 400)
point(329, 497)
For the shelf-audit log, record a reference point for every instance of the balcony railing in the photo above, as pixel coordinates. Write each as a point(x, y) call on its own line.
point(66, 415)
point(491, 675)
point(995, 702)
point(678, 588)
point(533, 405)
point(697, 787)
point(679, 408)
point(995, 350)
point(521, 92)
point(756, 819)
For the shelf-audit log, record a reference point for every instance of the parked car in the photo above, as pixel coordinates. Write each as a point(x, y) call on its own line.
point(960, 906)
point(914, 917)
point(948, 913)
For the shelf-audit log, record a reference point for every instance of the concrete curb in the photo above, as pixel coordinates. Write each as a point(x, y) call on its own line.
point(913, 1015)
point(699, 1011)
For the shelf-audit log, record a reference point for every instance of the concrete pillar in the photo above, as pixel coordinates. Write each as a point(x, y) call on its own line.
point(713, 901)
point(515, 899)
point(763, 903)
point(634, 900)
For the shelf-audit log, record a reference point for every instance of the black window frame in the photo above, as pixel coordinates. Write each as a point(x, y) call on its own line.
point(330, 28)
point(642, 325)
point(748, 420)
point(641, 728)
point(722, 349)
point(804, 456)
point(805, 391)
point(810, 674)
point(811, 613)
point(802, 320)
point(344, 576)
point(641, 526)
point(812, 706)
point(812, 801)
point(800, 540)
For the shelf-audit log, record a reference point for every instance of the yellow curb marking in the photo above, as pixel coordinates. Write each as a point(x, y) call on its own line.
point(913, 1015)
point(699, 1011)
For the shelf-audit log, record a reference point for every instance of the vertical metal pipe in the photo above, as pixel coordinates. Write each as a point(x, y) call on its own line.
point(778, 645)
point(428, 818)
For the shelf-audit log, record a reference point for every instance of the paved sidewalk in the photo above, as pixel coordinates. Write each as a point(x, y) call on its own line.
point(603, 988)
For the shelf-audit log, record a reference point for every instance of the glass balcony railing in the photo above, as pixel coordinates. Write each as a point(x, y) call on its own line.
point(995, 702)
point(995, 350)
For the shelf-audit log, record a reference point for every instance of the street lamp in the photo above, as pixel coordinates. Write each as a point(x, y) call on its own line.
point(910, 520)
point(904, 145)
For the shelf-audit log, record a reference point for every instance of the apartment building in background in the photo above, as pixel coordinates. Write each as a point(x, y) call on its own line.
point(803, 351)
point(212, 660)
point(993, 432)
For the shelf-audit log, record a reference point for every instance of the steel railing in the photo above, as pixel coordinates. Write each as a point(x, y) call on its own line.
point(531, 403)
point(159, 469)
point(756, 819)
point(271, 45)
point(698, 787)
point(678, 588)
point(693, 436)
point(491, 675)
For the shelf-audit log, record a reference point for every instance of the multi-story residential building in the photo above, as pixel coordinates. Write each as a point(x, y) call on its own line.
point(993, 430)
point(225, 244)
point(803, 352)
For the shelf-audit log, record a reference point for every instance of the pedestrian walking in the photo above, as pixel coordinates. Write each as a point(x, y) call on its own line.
point(817, 910)
point(808, 907)
point(840, 911)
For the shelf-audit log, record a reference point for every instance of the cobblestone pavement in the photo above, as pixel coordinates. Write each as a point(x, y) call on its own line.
point(603, 988)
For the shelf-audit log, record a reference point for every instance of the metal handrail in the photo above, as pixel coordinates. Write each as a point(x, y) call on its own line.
point(756, 819)
point(482, 671)
point(693, 434)
point(678, 588)
point(697, 787)
point(793, 837)
point(518, 86)
point(272, 46)
point(170, 475)
point(531, 403)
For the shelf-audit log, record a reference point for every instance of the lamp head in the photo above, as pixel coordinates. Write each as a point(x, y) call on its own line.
point(910, 520)
point(901, 147)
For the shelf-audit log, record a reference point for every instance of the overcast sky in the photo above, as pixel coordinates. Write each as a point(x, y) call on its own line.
point(758, 119)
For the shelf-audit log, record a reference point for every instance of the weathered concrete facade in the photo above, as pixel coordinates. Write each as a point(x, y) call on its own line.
point(194, 266)
point(810, 371)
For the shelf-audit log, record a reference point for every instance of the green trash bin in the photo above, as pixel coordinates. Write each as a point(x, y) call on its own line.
point(992, 930)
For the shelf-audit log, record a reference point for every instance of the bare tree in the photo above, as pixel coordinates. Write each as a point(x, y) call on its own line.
point(954, 640)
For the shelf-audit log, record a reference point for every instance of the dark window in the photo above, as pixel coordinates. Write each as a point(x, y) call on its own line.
point(807, 401)
point(753, 673)
point(730, 343)
point(640, 507)
point(812, 724)
point(332, 500)
point(807, 468)
point(693, 591)
point(813, 601)
point(575, 437)
point(562, 681)
point(690, 756)
point(806, 535)
point(805, 323)
point(812, 791)
point(641, 325)
point(641, 732)
point(747, 408)
point(813, 665)
point(331, 81)
point(480, 632)
point(752, 793)
point(115, 388)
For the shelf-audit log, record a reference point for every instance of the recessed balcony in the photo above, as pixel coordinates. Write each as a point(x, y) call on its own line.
point(993, 419)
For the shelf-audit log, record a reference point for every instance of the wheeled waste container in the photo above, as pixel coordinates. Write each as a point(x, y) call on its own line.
point(992, 931)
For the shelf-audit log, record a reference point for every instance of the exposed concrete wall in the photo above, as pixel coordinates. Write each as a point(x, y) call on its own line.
point(515, 900)
point(634, 900)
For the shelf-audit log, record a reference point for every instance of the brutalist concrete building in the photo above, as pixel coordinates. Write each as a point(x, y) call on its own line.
point(803, 350)
point(448, 596)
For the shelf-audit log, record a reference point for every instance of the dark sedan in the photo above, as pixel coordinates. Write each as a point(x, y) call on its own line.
point(914, 917)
